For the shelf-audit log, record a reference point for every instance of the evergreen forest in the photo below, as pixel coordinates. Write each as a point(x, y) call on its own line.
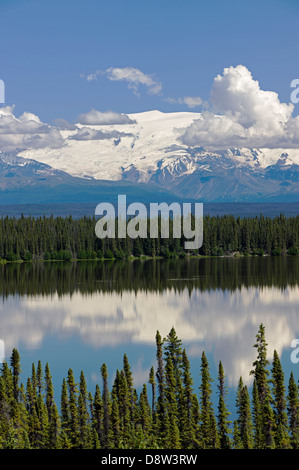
point(168, 413)
point(65, 238)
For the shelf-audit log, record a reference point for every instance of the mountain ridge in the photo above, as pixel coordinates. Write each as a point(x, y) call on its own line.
point(149, 152)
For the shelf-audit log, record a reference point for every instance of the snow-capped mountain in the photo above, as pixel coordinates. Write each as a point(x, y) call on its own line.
point(148, 150)
point(26, 181)
point(113, 152)
point(15, 170)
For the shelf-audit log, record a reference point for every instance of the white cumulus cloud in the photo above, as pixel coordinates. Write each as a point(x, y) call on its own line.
point(244, 116)
point(26, 131)
point(86, 133)
point(135, 78)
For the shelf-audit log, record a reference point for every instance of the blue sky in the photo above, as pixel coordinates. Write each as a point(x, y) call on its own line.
point(49, 48)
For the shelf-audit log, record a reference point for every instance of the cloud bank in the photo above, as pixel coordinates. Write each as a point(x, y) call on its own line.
point(26, 131)
point(86, 133)
point(190, 101)
point(243, 115)
point(94, 117)
point(240, 114)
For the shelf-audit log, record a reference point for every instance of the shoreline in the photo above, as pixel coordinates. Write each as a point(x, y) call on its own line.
point(147, 258)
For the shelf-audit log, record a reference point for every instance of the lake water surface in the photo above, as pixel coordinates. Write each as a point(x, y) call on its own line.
point(80, 315)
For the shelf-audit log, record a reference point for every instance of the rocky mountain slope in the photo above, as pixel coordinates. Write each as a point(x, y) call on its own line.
point(148, 151)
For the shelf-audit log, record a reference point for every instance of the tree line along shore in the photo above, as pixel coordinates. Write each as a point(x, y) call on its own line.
point(66, 238)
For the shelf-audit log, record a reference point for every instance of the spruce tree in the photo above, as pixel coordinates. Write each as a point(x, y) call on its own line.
point(4, 411)
point(124, 400)
point(152, 382)
point(64, 406)
point(54, 428)
point(83, 415)
point(293, 411)
point(72, 407)
point(161, 405)
point(23, 419)
point(260, 373)
point(208, 429)
point(173, 351)
point(188, 420)
point(114, 429)
point(97, 414)
point(34, 383)
point(281, 419)
point(43, 436)
point(106, 407)
point(257, 417)
point(131, 391)
point(16, 370)
point(237, 442)
point(244, 420)
point(39, 378)
point(172, 437)
point(145, 412)
point(223, 413)
point(49, 391)
point(95, 442)
point(33, 419)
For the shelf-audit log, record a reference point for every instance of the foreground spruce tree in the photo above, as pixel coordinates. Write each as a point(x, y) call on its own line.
point(172, 438)
point(145, 412)
point(173, 351)
point(189, 411)
point(260, 372)
point(73, 409)
point(97, 416)
point(208, 429)
point(106, 407)
point(152, 382)
point(83, 415)
point(16, 370)
point(293, 412)
point(223, 413)
point(161, 401)
point(281, 432)
point(243, 422)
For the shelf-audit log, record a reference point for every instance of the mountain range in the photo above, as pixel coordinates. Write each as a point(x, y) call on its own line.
point(146, 159)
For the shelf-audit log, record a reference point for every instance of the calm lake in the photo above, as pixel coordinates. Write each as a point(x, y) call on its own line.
point(80, 315)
